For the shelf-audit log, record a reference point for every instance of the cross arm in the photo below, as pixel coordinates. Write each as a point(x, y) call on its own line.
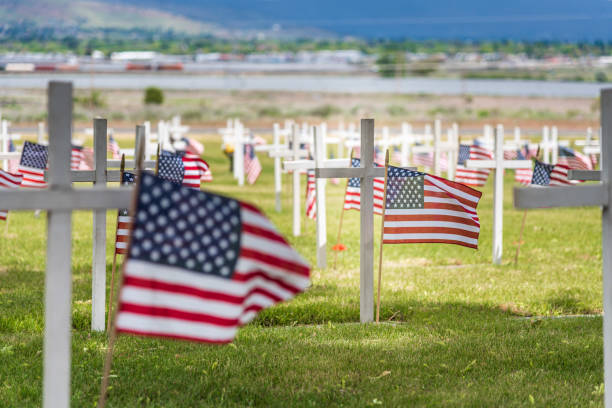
point(310, 164)
point(130, 164)
point(491, 164)
point(590, 175)
point(66, 199)
point(349, 172)
point(570, 196)
point(83, 176)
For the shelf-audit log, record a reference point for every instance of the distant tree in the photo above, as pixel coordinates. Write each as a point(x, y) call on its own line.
point(153, 96)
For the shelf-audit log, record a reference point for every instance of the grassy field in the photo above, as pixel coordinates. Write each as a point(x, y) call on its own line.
point(457, 331)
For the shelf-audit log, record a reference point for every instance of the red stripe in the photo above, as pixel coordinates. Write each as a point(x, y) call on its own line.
point(429, 241)
point(430, 230)
point(245, 277)
point(195, 292)
point(265, 233)
point(176, 314)
point(275, 261)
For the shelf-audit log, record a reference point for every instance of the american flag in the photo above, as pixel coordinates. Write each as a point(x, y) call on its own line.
point(202, 265)
point(124, 221)
point(8, 180)
point(550, 174)
point(522, 176)
point(193, 146)
point(13, 164)
point(32, 165)
point(396, 156)
point(311, 198)
point(252, 167)
point(472, 177)
point(424, 159)
point(422, 208)
point(170, 167)
point(573, 159)
point(76, 157)
point(113, 147)
point(352, 199)
point(196, 171)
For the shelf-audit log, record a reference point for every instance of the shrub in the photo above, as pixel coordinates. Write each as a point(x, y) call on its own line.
point(397, 110)
point(601, 77)
point(153, 96)
point(325, 111)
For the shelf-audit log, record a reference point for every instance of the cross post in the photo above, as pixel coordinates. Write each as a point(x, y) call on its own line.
point(366, 172)
point(588, 195)
point(499, 164)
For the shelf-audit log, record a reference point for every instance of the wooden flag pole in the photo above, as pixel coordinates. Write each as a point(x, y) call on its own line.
point(382, 230)
point(157, 162)
point(337, 246)
point(113, 333)
point(112, 285)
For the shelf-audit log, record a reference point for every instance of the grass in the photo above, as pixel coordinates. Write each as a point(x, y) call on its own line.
point(454, 331)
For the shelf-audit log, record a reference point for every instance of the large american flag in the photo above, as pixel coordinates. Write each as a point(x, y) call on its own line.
point(550, 174)
point(352, 199)
point(573, 159)
point(113, 147)
point(311, 198)
point(472, 177)
point(201, 265)
point(423, 208)
point(32, 165)
point(124, 221)
point(8, 180)
point(252, 166)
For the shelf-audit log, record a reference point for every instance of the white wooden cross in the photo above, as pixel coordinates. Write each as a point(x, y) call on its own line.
point(100, 176)
point(5, 140)
point(60, 199)
point(499, 164)
point(451, 147)
point(366, 172)
point(600, 195)
point(296, 166)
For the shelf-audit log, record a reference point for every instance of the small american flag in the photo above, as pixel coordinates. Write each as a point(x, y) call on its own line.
point(472, 177)
point(32, 165)
point(196, 171)
point(170, 167)
point(573, 159)
point(193, 146)
point(124, 221)
point(8, 180)
point(203, 265)
point(424, 159)
point(76, 157)
point(352, 199)
point(422, 208)
point(550, 174)
point(13, 164)
point(252, 167)
point(396, 156)
point(113, 147)
point(311, 198)
point(522, 176)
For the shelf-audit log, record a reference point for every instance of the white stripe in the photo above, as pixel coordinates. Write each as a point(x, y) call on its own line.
point(245, 266)
point(121, 245)
point(168, 326)
point(433, 211)
point(423, 236)
point(452, 190)
point(431, 224)
point(123, 218)
point(122, 231)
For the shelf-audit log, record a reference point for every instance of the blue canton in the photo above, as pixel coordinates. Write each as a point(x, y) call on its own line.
point(541, 173)
point(405, 189)
point(186, 228)
point(356, 181)
point(34, 155)
point(171, 167)
point(126, 180)
point(464, 153)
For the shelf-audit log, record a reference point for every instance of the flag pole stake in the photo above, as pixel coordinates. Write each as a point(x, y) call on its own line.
point(382, 229)
point(341, 216)
point(112, 286)
point(518, 248)
point(113, 332)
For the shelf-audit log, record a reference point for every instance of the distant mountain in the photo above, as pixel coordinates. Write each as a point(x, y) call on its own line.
point(417, 19)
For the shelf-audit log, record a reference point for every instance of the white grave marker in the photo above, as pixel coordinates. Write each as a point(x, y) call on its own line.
point(499, 164)
point(588, 195)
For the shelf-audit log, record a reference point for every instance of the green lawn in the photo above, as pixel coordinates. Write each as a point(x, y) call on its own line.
point(455, 331)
